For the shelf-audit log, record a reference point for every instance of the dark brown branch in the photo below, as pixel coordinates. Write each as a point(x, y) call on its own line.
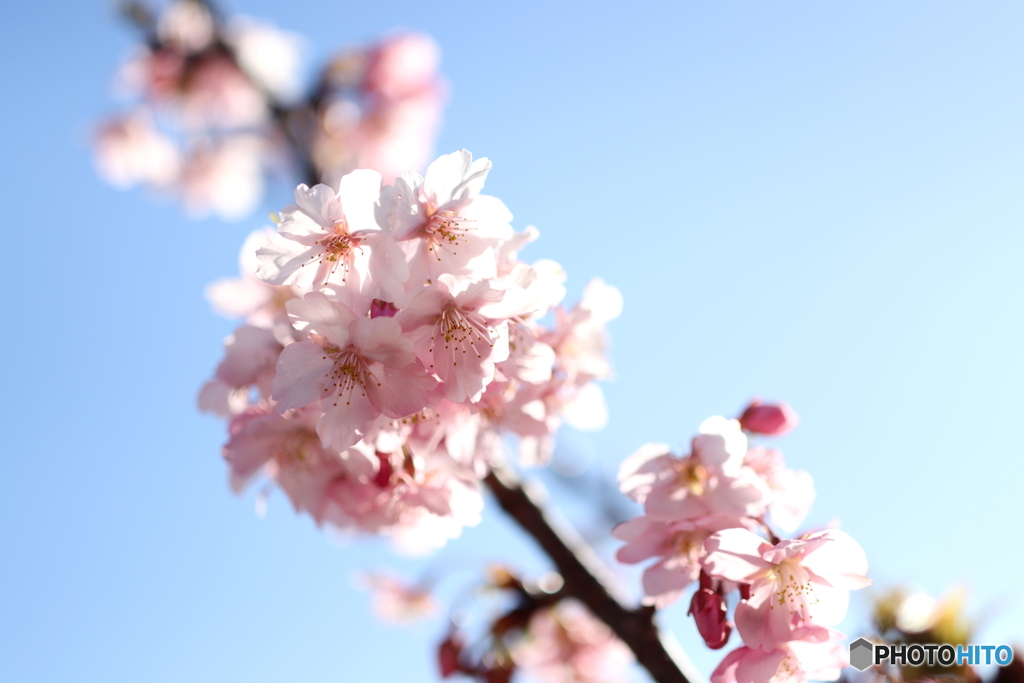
point(584, 579)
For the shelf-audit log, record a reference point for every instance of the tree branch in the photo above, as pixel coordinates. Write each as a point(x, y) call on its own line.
point(586, 579)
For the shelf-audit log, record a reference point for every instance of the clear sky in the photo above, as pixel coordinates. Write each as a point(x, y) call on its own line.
point(816, 202)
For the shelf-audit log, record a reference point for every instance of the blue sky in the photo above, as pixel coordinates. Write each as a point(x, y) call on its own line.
point(805, 201)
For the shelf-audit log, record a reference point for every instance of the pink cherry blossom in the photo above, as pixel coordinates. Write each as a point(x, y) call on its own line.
point(797, 661)
point(225, 178)
point(331, 237)
point(444, 223)
point(402, 65)
point(459, 333)
point(356, 367)
point(128, 150)
point(678, 544)
point(250, 357)
point(566, 644)
point(398, 602)
point(251, 299)
point(792, 491)
point(675, 488)
point(798, 588)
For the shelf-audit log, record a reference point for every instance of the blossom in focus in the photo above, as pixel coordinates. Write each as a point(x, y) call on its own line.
point(798, 588)
point(331, 237)
point(356, 367)
point(458, 328)
point(672, 487)
point(421, 377)
point(446, 225)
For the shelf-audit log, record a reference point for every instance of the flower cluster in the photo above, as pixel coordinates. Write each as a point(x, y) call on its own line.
point(218, 107)
point(701, 516)
point(392, 338)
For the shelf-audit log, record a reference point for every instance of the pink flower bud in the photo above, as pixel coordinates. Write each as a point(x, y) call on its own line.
point(709, 611)
point(770, 419)
point(380, 308)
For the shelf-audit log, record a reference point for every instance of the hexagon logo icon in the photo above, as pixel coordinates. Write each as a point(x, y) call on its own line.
point(861, 654)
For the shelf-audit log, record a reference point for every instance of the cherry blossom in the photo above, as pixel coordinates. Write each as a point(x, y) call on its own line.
point(566, 644)
point(458, 327)
point(446, 225)
point(396, 601)
point(356, 367)
point(796, 661)
point(331, 237)
point(798, 588)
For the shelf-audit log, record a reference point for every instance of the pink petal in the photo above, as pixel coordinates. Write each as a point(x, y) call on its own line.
point(302, 374)
point(380, 339)
point(402, 391)
point(736, 555)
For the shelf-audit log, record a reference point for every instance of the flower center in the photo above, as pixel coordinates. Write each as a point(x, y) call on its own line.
point(446, 230)
point(348, 375)
point(460, 332)
point(692, 476)
point(794, 589)
point(336, 250)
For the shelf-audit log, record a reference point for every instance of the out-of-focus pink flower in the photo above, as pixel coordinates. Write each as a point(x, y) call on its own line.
point(250, 356)
point(270, 56)
point(398, 602)
point(674, 488)
point(247, 297)
point(225, 178)
point(792, 491)
point(769, 419)
point(402, 65)
point(128, 150)
point(793, 662)
point(186, 26)
point(679, 544)
point(566, 644)
point(798, 588)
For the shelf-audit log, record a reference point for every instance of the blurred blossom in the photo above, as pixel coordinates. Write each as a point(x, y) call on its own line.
point(398, 602)
point(566, 644)
point(129, 150)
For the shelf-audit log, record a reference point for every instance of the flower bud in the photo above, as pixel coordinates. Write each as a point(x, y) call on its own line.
point(770, 419)
point(380, 308)
point(709, 611)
